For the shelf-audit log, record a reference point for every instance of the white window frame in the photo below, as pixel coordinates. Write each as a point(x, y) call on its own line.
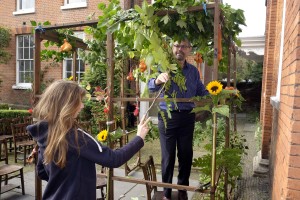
point(27, 83)
point(81, 35)
point(78, 71)
point(68, 4)
point(20, 10)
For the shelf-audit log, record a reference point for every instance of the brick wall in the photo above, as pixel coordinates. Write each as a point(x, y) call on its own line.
point(20, 24)
point(269, 65)
point(285, 145)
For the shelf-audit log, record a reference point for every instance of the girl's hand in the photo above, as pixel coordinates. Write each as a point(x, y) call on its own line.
point(143, 128)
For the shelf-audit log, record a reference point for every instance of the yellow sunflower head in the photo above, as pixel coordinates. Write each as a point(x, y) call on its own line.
point(214, 87)
point(102, 136)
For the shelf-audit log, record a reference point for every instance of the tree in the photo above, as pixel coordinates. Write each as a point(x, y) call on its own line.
point(5, 38)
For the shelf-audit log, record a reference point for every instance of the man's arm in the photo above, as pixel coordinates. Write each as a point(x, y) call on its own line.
point(155, 84)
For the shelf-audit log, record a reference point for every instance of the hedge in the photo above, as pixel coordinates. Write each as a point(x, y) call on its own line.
point(13, 113)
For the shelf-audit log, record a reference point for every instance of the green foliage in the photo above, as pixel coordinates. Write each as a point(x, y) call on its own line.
point(258, 135)
point(97, 111)
point(5, 38)
point(153, 133)
point(247, 70)
point(13, 113)
point(4, 107)
point(229, 158)
point(54, 55)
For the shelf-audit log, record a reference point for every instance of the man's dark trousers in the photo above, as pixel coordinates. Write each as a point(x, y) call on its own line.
point(178, 133)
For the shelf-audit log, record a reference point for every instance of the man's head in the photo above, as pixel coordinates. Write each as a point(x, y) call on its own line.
point(181, 50)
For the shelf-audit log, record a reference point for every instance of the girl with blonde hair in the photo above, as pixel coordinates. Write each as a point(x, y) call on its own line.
point(67, 155)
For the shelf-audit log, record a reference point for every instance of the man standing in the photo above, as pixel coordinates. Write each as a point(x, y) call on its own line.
point(179, 129)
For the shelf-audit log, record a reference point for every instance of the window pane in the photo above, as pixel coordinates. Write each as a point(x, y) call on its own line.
point(20, 53)
point(31, 67)
point(31, 53)
point(27, 65)
point(26, 41)
point(21, 77)
point(21, 66)
point(20, 41)
point(26, 53)
point(75, 1)
point(81, 66)
point(69, 65)
point(26, 4)
point(28, 77)
point(68, 74)
point(31, 41)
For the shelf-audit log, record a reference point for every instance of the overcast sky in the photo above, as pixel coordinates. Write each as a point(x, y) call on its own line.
point(255, 14)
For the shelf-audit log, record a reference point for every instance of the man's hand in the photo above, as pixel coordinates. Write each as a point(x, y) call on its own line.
point(162, 78)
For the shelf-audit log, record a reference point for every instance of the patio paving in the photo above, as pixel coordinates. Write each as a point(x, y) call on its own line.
point(248, 186)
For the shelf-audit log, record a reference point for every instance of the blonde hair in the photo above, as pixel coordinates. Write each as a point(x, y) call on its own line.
point(58, 106)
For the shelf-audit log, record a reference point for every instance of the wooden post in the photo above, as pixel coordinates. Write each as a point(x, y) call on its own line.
point(36, 91)
point(110, 91)
point(215, 77)
point(227, 132)
point(74, 64)
point(234, 85)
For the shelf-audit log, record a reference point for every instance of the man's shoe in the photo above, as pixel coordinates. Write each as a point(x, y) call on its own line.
point(182, 195)
point(165, 198)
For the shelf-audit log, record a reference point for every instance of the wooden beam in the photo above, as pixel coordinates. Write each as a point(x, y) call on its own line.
point(190, 9)
point(53, 36)
point(159, 184)
point(204, 101)
point(71, 25)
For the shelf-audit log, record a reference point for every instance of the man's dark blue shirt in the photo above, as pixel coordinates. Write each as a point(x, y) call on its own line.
point(193, 84)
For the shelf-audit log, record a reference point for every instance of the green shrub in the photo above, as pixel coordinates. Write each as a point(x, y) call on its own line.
point(13, 113)
point(4, 107)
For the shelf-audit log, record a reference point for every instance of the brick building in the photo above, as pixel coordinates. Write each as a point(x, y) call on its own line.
point(17, 74)
point(280, 103)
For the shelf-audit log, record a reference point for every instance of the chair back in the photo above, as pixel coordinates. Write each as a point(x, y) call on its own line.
point(150, 175)
point(2, 126)
point(19, 132)
point(8, 122)
point(3, 150)
point(28, 119)
point(101, 182)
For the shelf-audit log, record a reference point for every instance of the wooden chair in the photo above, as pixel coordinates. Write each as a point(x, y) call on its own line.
point(4, 132)
point(8, 172)
point(28, 119)
point(150, 174)
point(22, 142)
point(101, 183)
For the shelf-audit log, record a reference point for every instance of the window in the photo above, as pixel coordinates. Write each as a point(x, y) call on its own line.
point(25, 64)
point(69, 4)
point(68, 68)
point(24, 7)
point(68, 63)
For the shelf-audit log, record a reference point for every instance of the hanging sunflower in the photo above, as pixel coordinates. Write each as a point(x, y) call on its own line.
point(214, 87)
point(102, 136)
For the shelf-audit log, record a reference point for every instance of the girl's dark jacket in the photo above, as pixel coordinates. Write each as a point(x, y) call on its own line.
point(77, 180)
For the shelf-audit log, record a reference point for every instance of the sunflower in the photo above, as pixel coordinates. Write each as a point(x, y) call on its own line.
point(214, 87)
point(102, 136)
